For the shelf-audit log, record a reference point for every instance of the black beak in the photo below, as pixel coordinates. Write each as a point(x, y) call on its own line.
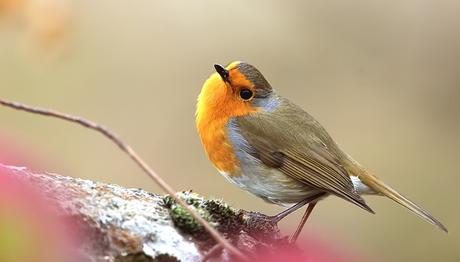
point(222, 72)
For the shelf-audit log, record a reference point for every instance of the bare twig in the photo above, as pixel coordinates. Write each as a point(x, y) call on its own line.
point(212, 252)
point(134, 156)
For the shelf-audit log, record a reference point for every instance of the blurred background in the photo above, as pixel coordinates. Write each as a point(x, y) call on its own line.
point(382, 77)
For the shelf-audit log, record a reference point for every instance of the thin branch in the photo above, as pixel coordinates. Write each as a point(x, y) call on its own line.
point(134, 156)
point(212, 252)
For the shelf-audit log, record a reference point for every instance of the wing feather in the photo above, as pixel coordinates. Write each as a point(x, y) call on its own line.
point(298, 151)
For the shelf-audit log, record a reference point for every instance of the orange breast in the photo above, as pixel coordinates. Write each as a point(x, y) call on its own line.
point(219, 150)
point(217, 103)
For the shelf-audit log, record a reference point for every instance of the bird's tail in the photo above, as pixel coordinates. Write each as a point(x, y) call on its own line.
point(381, 188)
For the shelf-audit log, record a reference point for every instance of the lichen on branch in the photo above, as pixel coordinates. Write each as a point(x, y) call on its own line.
point(125, 224)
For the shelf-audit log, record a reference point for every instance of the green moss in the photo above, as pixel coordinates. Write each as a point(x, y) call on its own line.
point(227, 219)
point(219, 209)
point(214, 211)
point(181, 217)
point(168, 201)
point(183, 220)
point(224, 218)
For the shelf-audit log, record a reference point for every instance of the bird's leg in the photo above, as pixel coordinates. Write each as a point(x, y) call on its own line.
point(307, 213)
point(283, 214)
point(276, 218)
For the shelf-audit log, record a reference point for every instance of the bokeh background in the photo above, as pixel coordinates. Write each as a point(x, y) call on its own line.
point(382, 76)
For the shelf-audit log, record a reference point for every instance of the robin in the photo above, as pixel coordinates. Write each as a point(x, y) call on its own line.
point(272, 148)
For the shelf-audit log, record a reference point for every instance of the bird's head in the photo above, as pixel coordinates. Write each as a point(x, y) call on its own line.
point(235, 90)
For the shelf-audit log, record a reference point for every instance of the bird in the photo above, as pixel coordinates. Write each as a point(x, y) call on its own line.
point(272, 148)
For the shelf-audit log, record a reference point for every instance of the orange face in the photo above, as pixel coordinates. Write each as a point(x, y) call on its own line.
point(217, 103)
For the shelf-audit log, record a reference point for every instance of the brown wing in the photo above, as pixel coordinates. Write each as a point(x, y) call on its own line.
point(293, 142)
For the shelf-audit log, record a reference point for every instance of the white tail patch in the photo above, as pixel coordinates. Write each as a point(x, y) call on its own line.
point(360, 187)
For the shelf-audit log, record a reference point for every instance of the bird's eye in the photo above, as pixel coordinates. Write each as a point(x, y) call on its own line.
point(245, 94)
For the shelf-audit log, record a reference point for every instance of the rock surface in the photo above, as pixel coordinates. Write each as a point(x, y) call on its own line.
point(125, 224)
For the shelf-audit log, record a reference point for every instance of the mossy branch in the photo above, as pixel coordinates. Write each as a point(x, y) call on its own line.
point(120, 224)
